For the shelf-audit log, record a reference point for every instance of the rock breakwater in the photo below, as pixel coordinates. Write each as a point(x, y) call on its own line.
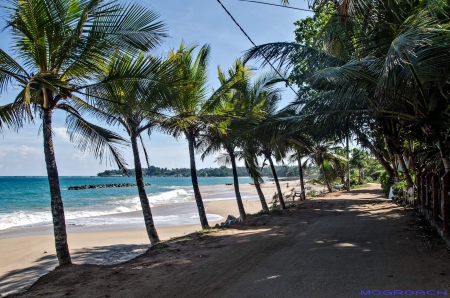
point(111, 185)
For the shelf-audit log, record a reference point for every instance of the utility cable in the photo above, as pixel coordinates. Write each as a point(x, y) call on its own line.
point(310, 10)
point(283, 6)
point(264, 56)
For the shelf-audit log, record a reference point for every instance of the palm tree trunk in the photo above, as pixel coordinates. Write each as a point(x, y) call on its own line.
point(342, 177)
point(59, 221)
point(146, 211)
point(300, 174)
point(446, 163)
point(405, 171)
point(325, 177)
point(261, 196)
point(386, 166)
point(347, 165)
point(277, 183)
point(198, 196)
point(392, 158)
point(236, 184)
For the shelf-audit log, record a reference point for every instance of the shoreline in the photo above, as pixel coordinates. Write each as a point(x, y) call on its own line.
point(28, 253)
point(109, 217)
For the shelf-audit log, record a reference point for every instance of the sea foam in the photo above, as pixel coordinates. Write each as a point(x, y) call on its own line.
point(114, 206)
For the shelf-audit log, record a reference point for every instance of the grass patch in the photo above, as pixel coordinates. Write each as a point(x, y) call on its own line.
point(360, 186)
point(205, 231)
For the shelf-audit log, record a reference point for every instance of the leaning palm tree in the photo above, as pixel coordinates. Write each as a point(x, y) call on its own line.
point(261, 98)
point(192, 108)
point(301, 145)
point(324, 154)
point(250, 156)
point(271, 145)
point(135, 106)
point(396, 60)
point(224, 134)
point(61, 48)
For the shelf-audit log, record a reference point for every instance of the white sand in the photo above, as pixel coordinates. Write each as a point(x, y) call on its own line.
point(27, 254)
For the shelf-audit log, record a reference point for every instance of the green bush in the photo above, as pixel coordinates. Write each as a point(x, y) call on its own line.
point(385, 182)
point(398, 189)
point(353, 181)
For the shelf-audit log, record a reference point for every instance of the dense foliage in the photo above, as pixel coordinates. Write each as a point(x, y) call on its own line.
point(376, 72)
point(385, 182)
point(223, 171)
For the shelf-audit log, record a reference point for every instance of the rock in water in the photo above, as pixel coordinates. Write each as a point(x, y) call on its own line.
point(92, 186)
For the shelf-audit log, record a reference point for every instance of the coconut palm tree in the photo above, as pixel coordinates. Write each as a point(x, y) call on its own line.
point(301, 145)
point(192, 107)
point(260, 101)
point(245, 105)
point(62, 47)
point(250, 157)
point(385, 74)
point(223, 135)
point(136, 106)
point(271, 144)
point(324, 155)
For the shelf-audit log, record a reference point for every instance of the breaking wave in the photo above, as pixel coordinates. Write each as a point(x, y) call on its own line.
point(111, 207)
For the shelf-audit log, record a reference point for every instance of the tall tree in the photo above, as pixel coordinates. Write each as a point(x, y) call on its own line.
point(136, 107)
point(63, 46)
point(381, 65)
point(192, 107)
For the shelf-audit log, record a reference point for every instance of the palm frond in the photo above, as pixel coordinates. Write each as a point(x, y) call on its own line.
point(13, 115)
point(94, 139)
point(11, 71)
point(287, 54)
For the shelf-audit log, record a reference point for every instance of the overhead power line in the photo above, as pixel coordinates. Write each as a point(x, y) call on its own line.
point(283, 6)
point(296, 8)
point(264, 56)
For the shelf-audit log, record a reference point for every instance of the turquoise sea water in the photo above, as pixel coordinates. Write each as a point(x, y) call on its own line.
point(25, 201)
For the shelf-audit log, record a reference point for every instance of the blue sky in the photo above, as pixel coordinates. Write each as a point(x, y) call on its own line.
point(194, 21)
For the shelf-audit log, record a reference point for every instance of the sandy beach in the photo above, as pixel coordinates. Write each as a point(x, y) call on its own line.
point(26, 254)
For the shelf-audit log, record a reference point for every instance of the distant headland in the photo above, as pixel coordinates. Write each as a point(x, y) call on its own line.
point(152, 171)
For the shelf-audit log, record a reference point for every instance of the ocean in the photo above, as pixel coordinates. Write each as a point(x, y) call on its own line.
point(25, 201)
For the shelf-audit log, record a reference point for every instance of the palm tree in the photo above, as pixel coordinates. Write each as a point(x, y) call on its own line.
point(250, 157)
point(63, 47)
point(223, 134)
point(135, 106)
point(192, 107)
point(301, 146)
point(271, 144)
point(359, 160)
point(256, 103)
point(245, 105)
point(323, 154)
point(391, 61)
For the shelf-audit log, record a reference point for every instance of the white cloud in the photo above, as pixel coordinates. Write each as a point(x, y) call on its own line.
point(61, 134)
point(79, 156)
point(26, 151)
